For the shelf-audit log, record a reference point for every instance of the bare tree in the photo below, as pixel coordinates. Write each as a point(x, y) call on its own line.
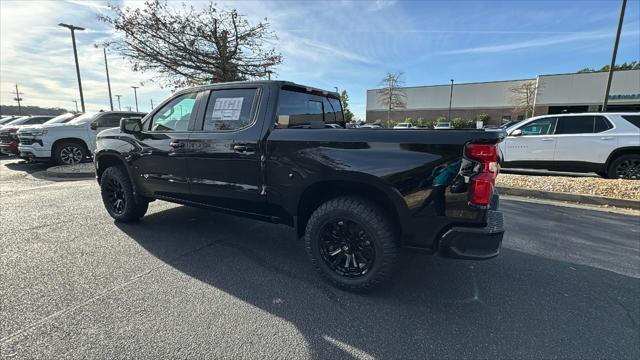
point(523, 97)
point(188, 46)
point(391, 94)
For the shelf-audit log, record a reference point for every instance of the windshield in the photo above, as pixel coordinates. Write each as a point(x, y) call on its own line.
point(83, 119)
point(62, 118)
point(18, 121)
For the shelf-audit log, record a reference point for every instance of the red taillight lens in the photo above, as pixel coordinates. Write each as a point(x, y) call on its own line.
point(485, 153)
point(482, 189)
point(482, 184)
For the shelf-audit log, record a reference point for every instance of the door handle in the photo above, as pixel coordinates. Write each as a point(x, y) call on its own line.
point(606, 138)
point(243, 148)
point(176, 144)
point(547, 139)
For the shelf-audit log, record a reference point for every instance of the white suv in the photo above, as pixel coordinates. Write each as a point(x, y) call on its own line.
point(605, 143)
point(71, 142)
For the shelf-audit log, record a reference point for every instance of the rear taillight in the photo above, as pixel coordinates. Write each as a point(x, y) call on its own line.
point(481, 185)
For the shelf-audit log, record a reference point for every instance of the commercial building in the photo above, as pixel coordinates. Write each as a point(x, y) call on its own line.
point(579, 92)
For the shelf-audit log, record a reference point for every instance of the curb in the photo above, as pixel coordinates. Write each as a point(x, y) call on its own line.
point(78, 171)
point(576, 198)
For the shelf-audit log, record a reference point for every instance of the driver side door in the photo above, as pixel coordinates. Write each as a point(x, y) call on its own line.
point(536, 142)
point(161, 165)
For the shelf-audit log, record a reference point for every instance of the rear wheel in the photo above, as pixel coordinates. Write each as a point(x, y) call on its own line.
point(69, 153)
point(118, 197)
point(352, 243)
point(625, 167)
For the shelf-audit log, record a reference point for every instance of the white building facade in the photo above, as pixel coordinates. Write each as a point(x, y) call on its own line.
point(579, 92)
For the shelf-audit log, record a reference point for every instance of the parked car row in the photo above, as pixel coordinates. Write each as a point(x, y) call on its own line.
point(65, 139)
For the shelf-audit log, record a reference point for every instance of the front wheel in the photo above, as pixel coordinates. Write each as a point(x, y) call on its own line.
point(118, 197)
point(625, 167)
point(69, 153)
point(352, 243)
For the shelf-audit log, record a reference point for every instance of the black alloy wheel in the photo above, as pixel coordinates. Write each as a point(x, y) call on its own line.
point(628, 169)
point(115, 193)
point(346, 248)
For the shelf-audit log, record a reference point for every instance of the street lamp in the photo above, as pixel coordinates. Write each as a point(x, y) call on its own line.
point(75, 55)
point(76, 102)
point(613, 56)
point(135, 94)
point(450, 99)
point(106, 68)
point(119, 107)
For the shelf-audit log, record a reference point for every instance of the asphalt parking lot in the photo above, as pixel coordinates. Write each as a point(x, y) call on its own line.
point(188, 283)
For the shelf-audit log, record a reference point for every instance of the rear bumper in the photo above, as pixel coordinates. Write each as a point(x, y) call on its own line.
point(474, 243)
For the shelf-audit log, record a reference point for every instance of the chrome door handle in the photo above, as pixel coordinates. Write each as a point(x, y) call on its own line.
point(243, 148)
point(606, 138)
point(547, 139)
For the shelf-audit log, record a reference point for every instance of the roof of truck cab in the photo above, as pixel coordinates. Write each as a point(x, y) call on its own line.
point(280, 83)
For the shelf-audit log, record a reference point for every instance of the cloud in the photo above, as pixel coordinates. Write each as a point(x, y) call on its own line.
point(548, 41)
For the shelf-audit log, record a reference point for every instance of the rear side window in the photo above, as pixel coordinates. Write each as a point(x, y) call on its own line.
point(110, 120)
point(230, 109)
point(300, 110)
point(37, 120)
point(574, 125)
point(634, 119)
point(601, 124)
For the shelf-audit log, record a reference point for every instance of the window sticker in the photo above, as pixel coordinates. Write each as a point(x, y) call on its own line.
point(227, 109)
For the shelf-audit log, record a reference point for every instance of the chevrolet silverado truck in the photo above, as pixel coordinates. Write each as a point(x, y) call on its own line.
point(262, 150)
point(70, 142)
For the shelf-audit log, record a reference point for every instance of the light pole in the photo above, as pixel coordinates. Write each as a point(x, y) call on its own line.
point(76, 102)
point(335, 87)
point(151, 104)
point(450, 100)
point(605, 101)
point(106, 68)
point(75, 55)
point(18, 99)
point(119, 107)
point(135, 94)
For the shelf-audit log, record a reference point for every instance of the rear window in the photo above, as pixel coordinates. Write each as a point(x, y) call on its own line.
point(634, 119)
point(301, 110)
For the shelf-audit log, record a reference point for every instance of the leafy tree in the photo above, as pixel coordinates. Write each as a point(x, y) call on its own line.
point(344, 99)
point(188, 46)
point(440, 119)
point(634, 65)
point(482, 117)
point(391, 95)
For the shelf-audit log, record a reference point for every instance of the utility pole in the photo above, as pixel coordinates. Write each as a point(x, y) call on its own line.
point(613, 57)
point(119, 107)
point(450, 100)
point(151, 104)
point(76, 102)
point(106, 67)
point(135, 94)
point(18, 99)
point(75, 55)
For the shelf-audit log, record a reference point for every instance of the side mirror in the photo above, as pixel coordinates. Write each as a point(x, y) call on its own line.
point(516, 132)
point(94, 125)
point(131, 125)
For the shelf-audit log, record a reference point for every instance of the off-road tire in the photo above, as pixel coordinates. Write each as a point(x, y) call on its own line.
point(379, 230)
point(132, 208)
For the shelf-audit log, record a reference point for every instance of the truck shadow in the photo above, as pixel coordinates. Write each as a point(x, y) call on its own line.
point(513, 306)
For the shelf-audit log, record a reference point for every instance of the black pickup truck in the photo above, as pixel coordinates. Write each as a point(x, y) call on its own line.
point(279, 152)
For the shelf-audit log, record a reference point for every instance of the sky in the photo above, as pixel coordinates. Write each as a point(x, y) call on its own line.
point(346, 44)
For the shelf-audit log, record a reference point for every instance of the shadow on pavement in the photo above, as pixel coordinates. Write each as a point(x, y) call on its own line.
point(26, 166)
point(517, 305)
